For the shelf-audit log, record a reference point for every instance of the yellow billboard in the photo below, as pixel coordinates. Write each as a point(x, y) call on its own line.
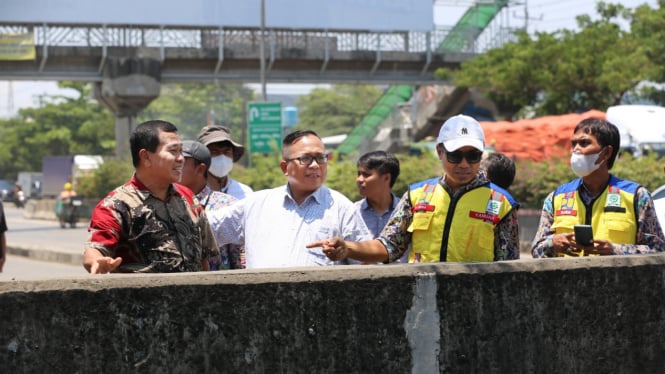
point(17, 46)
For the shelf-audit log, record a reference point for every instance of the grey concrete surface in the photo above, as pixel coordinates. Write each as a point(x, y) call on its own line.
point(35, 233)
point(582, 315)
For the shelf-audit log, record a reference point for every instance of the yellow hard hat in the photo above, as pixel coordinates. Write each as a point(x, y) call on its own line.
point(68, 186)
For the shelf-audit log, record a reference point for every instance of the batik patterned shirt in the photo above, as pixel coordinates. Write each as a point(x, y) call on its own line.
point(231, 256)
point(149, 234)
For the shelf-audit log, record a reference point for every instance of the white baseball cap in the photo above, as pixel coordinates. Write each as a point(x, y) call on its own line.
point(460, 131)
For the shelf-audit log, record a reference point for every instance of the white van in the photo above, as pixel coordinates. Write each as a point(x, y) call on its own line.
point(642, 127)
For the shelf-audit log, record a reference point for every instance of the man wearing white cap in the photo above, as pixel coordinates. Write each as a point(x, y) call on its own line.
point(460, 217)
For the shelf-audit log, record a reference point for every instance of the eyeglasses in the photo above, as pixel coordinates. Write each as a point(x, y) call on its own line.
point(472, 157)
point(308, 159)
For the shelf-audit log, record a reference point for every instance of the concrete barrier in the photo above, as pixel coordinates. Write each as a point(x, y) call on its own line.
point(45, 209)
point(588, 315)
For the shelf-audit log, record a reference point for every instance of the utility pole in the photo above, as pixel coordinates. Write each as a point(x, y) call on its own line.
point(526, 16)
point(262, 51)
point(10, 99)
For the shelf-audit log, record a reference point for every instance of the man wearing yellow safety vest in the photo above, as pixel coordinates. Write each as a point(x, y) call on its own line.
point(460, 217)
point(621, 213)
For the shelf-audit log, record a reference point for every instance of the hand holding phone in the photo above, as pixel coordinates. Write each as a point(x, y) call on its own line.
point(583, 235)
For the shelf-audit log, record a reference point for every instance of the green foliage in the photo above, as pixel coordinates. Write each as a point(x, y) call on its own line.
point(648, 27)
point(264, 173)
point(535, 180)
point(110, 174)
point(565, 71)
point(62, 126)
point(336, 110)
point(188, 105)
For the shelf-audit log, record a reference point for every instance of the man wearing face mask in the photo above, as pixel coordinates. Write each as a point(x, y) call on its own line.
point(224, 152)
point(620, 212)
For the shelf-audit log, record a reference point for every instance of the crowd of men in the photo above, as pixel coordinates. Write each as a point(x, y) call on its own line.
point(181, 210)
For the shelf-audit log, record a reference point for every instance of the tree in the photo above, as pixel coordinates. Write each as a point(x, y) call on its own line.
point(564, 71)
point(336, 110)
point(648, 27)
point(62, 126)
point(188, 105)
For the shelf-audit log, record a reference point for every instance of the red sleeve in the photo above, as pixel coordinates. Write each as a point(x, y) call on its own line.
point(104, 226)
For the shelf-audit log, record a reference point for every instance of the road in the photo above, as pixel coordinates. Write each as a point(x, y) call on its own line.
point(24, 268)
point(42, 236)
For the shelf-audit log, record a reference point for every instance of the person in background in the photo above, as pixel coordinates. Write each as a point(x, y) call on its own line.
point(460, 217)
point(275, 224)
point(500, 169)
point(67, 191)
point(224, 152)
point(3, 239)
point(377, 173)
point(150, 224)
point(194, 177)
point(19, 196)
point(64, 198)
point(621, 212)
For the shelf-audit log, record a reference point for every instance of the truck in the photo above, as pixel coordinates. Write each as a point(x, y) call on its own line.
point(641, 127)
point(31, 183)
point(58, 170)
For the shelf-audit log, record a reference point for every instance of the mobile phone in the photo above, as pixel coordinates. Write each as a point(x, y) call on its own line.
point(584, 235)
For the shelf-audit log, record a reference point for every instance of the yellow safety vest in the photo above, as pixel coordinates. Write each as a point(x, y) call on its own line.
point(612, 215)
point(455, 230)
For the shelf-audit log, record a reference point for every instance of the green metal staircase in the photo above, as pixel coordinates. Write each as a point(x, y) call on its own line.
point(467, 29)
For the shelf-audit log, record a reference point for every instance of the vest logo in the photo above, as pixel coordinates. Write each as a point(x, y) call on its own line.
point(568, 202)
point(493, 207)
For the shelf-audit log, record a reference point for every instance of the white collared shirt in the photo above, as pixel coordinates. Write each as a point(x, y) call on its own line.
point(275, 229)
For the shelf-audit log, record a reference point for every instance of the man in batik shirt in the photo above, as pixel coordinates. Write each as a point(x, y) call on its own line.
point(150, 224)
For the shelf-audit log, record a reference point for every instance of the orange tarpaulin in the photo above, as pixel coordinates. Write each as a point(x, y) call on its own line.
point(535, 139)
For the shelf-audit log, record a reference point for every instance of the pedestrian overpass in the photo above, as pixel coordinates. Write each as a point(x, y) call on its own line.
point(128, 62)
point(206, 54)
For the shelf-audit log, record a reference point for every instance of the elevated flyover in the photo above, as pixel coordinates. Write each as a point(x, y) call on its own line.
point(81, 53)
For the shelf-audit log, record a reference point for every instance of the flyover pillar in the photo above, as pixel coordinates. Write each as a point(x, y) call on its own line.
point(128, 85)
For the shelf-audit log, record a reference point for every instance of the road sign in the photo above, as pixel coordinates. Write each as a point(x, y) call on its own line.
point(265, 127)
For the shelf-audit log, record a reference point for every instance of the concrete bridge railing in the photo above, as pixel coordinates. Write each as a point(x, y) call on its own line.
point(588, 315)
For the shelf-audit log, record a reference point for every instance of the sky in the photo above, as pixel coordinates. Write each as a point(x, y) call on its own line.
point(539, 15)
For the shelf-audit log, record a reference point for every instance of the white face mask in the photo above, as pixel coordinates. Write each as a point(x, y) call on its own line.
point(584, 165)
point(220, 166)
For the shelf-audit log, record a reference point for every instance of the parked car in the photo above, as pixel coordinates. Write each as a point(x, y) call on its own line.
point(6, 190)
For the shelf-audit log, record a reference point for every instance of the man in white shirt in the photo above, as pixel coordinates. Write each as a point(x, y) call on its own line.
point(276, 224)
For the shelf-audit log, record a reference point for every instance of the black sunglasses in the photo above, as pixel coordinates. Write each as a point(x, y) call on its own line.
point(472, 157)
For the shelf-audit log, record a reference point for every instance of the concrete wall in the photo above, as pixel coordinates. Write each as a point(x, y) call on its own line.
point(589, 315)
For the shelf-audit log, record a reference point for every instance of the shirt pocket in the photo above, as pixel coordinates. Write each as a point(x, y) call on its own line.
point(619, 230)
point(421, 221)
point(564, 225)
